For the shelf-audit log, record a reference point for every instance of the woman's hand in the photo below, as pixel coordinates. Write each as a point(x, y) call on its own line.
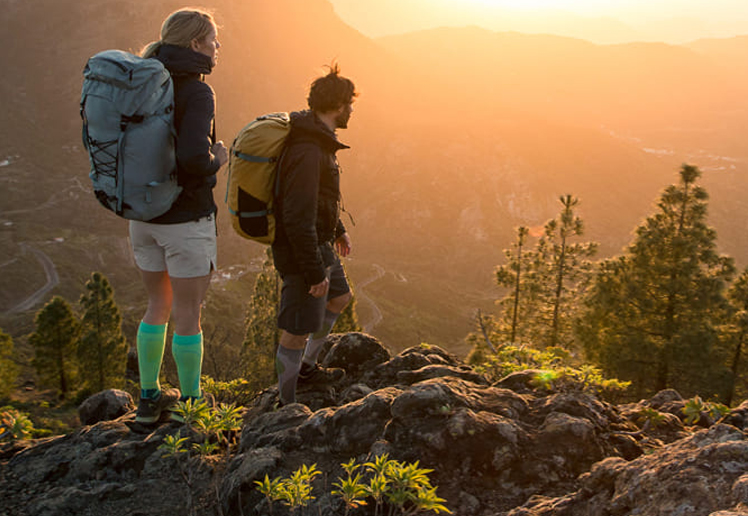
point(220, 152)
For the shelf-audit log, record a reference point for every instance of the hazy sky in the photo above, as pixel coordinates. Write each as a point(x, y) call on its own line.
point(712, 9)
point(666, 20)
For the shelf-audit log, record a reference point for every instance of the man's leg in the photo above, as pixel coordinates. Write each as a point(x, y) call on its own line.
point(316, 340)
point(338, 298)
point(300, 315)
point(287, 364)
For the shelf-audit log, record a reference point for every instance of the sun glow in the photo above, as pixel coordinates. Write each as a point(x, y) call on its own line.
point(564, 5)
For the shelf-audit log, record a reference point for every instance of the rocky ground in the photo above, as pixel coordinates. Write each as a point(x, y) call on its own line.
point(495, 450)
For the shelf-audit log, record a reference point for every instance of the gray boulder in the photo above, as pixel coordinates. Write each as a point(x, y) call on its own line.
point(105, 406)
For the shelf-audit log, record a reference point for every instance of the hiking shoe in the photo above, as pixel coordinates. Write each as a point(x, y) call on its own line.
point(319, 375)
point(149, 410)
point(209, 399)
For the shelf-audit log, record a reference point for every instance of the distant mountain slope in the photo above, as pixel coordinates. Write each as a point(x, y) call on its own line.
point(634, 84)
point(459, 136)
point(728, 52)
point(386, 17)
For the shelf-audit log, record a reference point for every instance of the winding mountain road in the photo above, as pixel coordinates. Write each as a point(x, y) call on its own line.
point(376, 312)
point(53, 279)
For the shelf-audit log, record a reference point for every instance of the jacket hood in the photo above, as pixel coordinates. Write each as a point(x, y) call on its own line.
point(184, 61)
point(306, 126)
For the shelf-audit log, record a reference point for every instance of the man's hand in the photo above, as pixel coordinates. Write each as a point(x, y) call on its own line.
point(320, 289)
point(343, 245)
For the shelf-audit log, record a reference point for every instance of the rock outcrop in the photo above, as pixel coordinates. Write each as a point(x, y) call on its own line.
point(105, 406)
point(495, 450)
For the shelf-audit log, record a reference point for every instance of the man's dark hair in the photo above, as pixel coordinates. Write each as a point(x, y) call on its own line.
point(331, 91)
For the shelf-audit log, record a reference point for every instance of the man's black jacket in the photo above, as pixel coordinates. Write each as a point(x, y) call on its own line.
point(308, 205)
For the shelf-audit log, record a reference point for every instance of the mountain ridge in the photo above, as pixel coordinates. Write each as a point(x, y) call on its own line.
point(447, 157)
point(511, 448)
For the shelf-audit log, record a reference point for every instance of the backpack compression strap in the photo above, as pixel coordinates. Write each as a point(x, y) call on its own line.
point(254, 159)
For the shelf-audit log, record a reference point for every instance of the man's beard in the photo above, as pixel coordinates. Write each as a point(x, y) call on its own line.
point(341, 121)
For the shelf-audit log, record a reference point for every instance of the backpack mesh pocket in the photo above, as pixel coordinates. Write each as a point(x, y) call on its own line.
point(257, 224)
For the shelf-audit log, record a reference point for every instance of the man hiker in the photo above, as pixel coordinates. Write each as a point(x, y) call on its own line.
point(310, 236)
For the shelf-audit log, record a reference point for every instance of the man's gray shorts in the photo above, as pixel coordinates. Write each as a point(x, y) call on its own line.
point(300, 312)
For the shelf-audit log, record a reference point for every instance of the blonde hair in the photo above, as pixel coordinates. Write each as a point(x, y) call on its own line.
point(181, 27)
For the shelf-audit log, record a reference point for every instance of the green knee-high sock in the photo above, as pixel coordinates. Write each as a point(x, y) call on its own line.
point(151, 341)
point(188, 355)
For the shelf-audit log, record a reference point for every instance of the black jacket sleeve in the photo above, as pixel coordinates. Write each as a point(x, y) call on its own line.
point(339, 229)
point(299, 191)
point(194, 132)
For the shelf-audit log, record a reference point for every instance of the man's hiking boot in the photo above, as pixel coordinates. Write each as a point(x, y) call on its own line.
point(316, 375)
point(207, 397)
point(149, 410)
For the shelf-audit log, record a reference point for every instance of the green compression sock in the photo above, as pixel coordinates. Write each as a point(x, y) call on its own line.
point(188, 355)
point(151, 341)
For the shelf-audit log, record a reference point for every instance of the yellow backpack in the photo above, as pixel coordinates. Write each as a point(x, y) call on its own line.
point(253, 182)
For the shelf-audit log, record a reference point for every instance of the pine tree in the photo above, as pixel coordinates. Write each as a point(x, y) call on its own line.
point(510, 275)
point(262, 334)
point(55, 343)
point(653, 313)
point(8, 368)
point(348, 320)
point(546, 281)
point(736, 332)
point(102, 351)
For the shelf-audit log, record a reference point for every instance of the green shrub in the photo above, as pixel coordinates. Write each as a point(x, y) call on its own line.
point(15, 425)
point(556, 370)
point(394, 487)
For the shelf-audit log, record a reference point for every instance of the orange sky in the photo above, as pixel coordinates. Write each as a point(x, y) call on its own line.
point(674, 21)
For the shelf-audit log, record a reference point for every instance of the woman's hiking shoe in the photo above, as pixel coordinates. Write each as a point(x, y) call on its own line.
point(316, 375)
point(149, 410)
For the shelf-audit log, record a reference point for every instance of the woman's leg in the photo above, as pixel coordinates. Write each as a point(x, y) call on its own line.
point(187, 343)
point(151, 339)
point(159, 291)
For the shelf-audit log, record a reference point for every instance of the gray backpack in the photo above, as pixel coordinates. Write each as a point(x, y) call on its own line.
point(127, 106)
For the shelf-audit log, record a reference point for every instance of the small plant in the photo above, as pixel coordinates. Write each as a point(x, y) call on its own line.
point(14, 425)
point(556, 372)
point(211, 429)
point(192, 411)
point(696, 407)
point(544, 380)
point(235, 392)
point(271, 489)
point(378, 485)
point(718, 410)
point(693, 409)
point(351, 490)
point(650, 416)
point(296, 491)
point(404, 487)
point(426, 500)
point(205, 448)
point(173, 446)
point(397, 488)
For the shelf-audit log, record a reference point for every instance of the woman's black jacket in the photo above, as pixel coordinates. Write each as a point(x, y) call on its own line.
point(194, 112)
